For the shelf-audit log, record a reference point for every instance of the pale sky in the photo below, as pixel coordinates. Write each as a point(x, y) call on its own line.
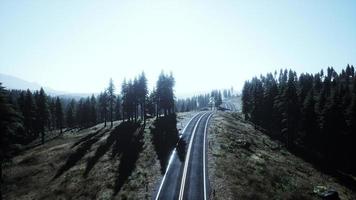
point(76, 46)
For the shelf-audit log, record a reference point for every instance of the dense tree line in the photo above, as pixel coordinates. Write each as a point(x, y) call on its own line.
point(200, 102)
point(314, 113)
point(29, 115)
point(10, 124)
point(38, 112)
point(194, 103)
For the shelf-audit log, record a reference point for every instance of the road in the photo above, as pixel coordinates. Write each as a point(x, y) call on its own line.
point(229, 106)
point(186, 176)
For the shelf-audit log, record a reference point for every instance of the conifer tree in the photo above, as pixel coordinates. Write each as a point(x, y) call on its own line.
point(9, 119)
point(111, 100)
point(103, 106)
point(59, 114)
point(42, 113)
point(70, 114)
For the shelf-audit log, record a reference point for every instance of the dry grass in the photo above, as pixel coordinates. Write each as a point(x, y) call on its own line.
point(32, 175)
point(238, 171)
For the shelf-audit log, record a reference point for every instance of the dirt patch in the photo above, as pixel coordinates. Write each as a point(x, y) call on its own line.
point(246, 164)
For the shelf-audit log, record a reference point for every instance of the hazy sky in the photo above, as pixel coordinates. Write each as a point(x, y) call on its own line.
point(77, 46)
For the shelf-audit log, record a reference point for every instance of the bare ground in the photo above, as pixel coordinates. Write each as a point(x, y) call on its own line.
point(246, 164)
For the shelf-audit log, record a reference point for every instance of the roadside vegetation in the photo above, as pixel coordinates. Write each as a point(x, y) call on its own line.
point(70, 137)
point(245, 163)
point(313, 115)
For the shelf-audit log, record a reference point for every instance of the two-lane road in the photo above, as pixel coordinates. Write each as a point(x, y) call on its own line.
point(186, 176)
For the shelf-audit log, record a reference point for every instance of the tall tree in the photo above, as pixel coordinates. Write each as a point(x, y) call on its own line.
point(42, 113)
point(103, 106)
point(93, 111)
point(59, 114)
point(165, 93)
point(9, 119)
point(118, 108)
point(52, 121)
point(111, 100)
point(70, 114)
point(29, 114)
point(142, 94)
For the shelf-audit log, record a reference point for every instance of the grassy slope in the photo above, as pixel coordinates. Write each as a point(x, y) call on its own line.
point(30, 175)
point(258, 172)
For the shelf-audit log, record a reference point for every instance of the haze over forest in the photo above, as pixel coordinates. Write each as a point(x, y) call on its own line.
point(78, 46)
point(181, 99)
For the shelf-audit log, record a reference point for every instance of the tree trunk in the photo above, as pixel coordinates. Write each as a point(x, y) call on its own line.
point(111, 112)
point(42, 137)
point(1, 177)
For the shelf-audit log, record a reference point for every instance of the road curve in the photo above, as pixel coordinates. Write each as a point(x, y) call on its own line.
point(229, 106)
point(186, 176)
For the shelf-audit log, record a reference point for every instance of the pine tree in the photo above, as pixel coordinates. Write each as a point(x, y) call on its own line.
point(93, 111)
point(111, 100)
point(9, 120)
point(70, 114)
point(309, 120)
point(29, 115)
point(52, 121)
point(79, 113)
point(59, 114)
point(165, 94)
point(118, 108)
point(333, 125)
point(42, 113)
point(142, 94)
point(246, 100)
point(291, 114)
point(103, 106)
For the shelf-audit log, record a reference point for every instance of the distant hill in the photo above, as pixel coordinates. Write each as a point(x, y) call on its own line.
point(12, 82)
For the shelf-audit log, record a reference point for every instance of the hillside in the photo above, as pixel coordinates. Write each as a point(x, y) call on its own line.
point(246, 164)
point(88, 164)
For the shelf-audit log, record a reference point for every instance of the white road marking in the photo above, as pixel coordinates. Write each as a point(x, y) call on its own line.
point(204, 154)
point(170, 160)
point(181, 192)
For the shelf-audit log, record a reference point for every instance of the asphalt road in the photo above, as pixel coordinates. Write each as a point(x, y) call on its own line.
point(229, 106)
point(186, 176)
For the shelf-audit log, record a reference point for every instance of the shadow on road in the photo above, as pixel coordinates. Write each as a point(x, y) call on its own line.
point(165, 138)
point(182, 149)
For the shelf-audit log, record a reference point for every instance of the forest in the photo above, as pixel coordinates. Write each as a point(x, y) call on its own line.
point(27, 116)
point(311, 114)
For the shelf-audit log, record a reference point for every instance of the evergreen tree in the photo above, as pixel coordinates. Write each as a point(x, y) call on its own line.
point(9, 120)
point(291, 114)
point(309, 123)
point(118, 108)
point(103, 106)
point(142, 94)
point(59, 114)
point(42, 113)
point(70, 114)
point(93, 117)
point(111, 100)
point(52, 121)
point(246, 100)
point(29, 115)
point(165, 94)
point(312, 113)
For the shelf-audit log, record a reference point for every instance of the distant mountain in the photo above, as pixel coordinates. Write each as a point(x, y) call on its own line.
point(12, 82)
